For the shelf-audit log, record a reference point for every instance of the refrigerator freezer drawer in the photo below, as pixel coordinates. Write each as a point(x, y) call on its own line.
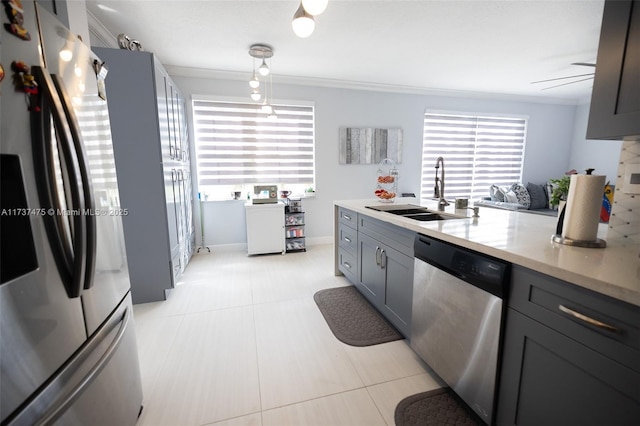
point(99, 385)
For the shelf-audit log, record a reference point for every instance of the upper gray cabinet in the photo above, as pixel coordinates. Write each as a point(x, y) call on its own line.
point(615, 101)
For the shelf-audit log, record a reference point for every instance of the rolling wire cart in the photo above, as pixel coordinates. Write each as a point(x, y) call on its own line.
point(203, 245)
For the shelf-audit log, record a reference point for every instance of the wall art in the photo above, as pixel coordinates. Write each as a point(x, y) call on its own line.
point(367, 145)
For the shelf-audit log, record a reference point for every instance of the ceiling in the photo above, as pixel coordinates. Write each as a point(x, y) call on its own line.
point(497, 47)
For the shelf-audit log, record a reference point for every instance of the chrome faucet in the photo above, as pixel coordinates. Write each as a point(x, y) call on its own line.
point(438, 191)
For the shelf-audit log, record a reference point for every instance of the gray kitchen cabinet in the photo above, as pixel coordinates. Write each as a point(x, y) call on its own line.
point(570, 356)
point(151, 149)
point(615, 100)
point(372, 273)
point(348, 250)
point(386, 272)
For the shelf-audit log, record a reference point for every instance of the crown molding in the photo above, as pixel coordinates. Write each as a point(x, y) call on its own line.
point(98, 32)
point(189, 72)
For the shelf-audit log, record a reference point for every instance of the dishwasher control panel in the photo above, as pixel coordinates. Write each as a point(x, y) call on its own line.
point(481, 270)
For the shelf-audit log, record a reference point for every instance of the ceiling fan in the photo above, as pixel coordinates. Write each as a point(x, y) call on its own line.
point(579, 77)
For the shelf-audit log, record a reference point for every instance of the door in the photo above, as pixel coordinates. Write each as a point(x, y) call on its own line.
point(80, 85)
point(163, 113)
point(265, 228)
point(550, 379)
point(40, 324)
point(372, 279)
point(615, 101)
point(398, 269)
point(99, 385)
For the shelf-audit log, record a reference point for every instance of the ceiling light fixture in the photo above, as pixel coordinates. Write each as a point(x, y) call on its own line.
point(315, 7)
point(264, 52)
point(268, 108)
point(254, 82)
point(264, 69)
point(303, 23)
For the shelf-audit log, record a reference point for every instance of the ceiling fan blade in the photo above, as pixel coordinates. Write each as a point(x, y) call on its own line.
point(562, 78)
point(584, 64)
point(571, 82)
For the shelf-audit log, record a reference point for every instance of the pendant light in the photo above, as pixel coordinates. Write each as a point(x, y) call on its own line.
point(264, 52)
point(315, 7)
point(266, 106)
point(271, 112)
point(254, 82)
point(303, 23)
point(264, 68)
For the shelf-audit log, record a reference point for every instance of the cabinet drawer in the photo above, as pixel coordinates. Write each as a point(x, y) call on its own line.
point(348, 264)
point(394, 236)
point(348, 217)
point(348, 238)
point(570, 310)
point(295, 244)
point(294, 232)
point(291, 219)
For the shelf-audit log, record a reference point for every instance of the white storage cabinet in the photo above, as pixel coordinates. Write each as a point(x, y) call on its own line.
point(265, 228)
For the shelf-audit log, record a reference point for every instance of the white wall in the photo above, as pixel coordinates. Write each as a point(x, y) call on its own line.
point(548, 146)
point(602, 155)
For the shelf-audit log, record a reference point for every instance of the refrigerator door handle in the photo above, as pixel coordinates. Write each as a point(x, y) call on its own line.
point(69, 255)
point(81, 155)
point(53, 401)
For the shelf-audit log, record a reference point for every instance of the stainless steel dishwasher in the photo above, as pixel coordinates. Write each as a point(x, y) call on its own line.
point(457, 318)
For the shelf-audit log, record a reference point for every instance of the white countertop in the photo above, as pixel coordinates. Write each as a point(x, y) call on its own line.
point(525, 239)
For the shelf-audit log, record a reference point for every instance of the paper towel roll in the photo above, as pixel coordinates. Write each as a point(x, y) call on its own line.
point(584, 202)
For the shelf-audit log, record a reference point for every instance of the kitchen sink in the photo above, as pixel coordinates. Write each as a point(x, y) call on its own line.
point(411, 211)
point(426, 217)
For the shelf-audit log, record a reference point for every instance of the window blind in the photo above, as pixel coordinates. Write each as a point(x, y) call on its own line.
point(478, 151)
point(237, 144)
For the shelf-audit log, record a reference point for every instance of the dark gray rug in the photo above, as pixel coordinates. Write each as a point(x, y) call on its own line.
point(435, 408)
point(353, 319)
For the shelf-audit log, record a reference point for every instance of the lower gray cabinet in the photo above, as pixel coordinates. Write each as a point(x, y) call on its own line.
point(570, 356)
point(372, 275)
point(550, 379)
point(386, 279)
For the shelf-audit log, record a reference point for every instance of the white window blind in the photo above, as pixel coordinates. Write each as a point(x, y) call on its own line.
point(237, 144)
point(478, 151)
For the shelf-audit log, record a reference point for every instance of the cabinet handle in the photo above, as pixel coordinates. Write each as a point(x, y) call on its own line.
point(383, 264)
point(347, 239)
point(347, 264)
point(378, 256)
point(587, 319)
point(346, 216)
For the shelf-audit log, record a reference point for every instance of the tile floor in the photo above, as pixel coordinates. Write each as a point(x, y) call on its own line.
point(241, 342)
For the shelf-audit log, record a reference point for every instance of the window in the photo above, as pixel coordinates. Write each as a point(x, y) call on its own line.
point(237, 147)
point(478, 151)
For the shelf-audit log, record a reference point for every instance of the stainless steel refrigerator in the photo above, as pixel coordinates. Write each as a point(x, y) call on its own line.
point(68, 351)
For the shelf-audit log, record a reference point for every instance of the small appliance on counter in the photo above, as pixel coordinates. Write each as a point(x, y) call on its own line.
point(265, 194)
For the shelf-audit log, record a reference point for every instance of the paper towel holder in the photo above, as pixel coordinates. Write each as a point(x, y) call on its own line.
point(558, 238)
point(598, 243)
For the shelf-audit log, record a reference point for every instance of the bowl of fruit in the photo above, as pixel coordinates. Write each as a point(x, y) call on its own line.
point(386, 179)
point(384, 195)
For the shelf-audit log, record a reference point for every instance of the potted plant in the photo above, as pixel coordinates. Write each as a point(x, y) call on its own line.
point(560, 188)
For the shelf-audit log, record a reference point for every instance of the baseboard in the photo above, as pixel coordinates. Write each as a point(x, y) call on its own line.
point(310, 241)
